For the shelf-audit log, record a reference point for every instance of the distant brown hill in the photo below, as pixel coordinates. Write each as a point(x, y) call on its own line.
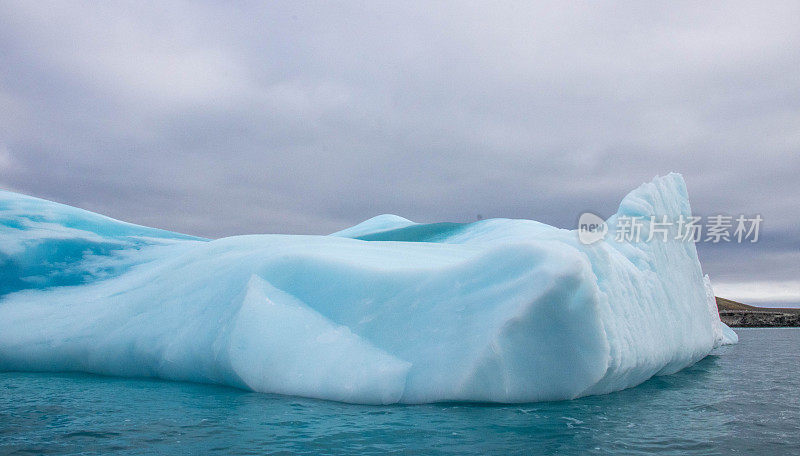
point(727, 304)
point(742, 315)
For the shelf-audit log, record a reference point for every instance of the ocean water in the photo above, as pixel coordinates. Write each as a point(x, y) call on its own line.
point(743, 399)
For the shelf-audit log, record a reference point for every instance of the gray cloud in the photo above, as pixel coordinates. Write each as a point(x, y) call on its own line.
point(216, 120)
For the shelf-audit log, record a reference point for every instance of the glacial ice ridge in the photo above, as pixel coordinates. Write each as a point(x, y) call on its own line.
point(383, 312)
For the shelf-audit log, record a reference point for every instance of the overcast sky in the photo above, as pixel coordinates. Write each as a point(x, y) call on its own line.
point(214, 120)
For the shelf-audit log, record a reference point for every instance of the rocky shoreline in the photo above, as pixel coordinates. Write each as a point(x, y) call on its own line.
point(736, 314)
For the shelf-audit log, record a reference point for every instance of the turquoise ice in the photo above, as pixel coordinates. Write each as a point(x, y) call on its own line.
point(386, 311)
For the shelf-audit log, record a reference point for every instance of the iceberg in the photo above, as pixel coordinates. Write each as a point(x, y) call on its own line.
point(387, 311)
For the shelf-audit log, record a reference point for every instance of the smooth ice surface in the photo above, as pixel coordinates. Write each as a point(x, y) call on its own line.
point(386, 311)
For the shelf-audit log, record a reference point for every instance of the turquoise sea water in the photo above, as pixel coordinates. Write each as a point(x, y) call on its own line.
point(743, 399)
